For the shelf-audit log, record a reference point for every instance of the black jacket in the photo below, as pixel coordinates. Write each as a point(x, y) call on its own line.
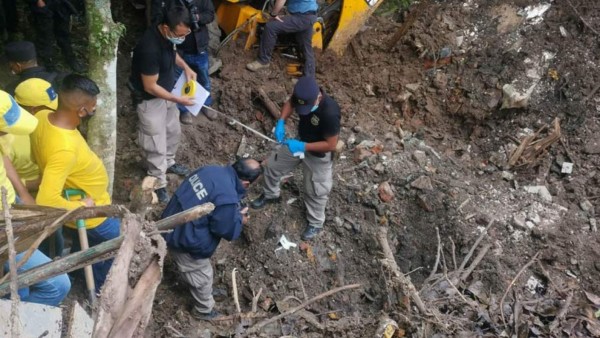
point(197, 42)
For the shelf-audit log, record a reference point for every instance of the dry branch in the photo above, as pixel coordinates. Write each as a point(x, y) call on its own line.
point(437, 256)
point(234, 288)
point(258, 326)
point(15, 323)
point(533, 147)
point(271, 106)
point(412, 17)
point(401, 280)
point(476, 262)
point(471, 251)
point(531, 261)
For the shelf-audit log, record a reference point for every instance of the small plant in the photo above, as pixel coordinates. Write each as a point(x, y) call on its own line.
point(391, 7)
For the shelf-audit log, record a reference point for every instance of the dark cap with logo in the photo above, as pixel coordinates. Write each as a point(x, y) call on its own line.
point(20, 51)
point(305, 95)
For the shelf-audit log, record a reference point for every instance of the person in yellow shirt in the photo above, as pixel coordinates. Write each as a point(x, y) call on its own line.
point(67, 162)
point(32, 95)
point(16, 121)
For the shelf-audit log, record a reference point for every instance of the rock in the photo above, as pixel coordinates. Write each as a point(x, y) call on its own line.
point(592, 147)
point(357, 129)
point(587, 206)
point(402, 97)
point(413, 87)
point(351, 139)
point(593, 225)
point(533, 217)
point(338, 221)
point(512, 98)
point(422, 183)
point(369, 90)
point(424, 202)
point(360, 154)
point(519, 220)
point(540, 190)
point(379, 168)
point(563, 31)
point(385, 192)
point(567, 168)
point(440, 81)
point(420, 157)
point(507, 175)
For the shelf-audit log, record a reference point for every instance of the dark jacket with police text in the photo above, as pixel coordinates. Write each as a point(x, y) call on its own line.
point(215, 184)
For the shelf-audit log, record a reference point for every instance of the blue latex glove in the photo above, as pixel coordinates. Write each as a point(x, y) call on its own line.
point(280, 130)
point(296, 147)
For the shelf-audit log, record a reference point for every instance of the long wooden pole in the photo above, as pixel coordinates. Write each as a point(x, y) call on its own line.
point(100, 252)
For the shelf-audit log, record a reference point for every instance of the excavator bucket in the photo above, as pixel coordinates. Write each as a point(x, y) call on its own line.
point(353, 16)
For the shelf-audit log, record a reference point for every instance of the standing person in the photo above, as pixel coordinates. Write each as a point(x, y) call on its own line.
point(52, 21)
point(303, 15)
point(16, 121)
point(194, 50)
point(318, 131)
point(67, 162)
point(22, 60)
point(153, 78)
point(192, 244)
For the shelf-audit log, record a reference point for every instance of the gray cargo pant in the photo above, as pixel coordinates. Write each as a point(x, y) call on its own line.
point(302, 26)
point(198, 274)
point(159, 136)
point(317, 180)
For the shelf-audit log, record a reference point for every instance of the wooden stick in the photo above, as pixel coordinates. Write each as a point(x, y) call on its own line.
point(582, 19)
point(479, 239)
point(531, 261)
point(271, 106)
point(412, 17)
point(453, 253)
point(258, 326)
point(476, 261)
point(255, 299)
point(403, 281)
point(15, 323)
point(437, 257)
point(100, 252)
point(236, 299)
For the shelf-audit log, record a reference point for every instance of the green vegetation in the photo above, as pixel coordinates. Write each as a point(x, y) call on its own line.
point(391, 7)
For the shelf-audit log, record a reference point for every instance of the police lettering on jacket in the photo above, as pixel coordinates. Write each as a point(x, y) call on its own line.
point(198, 186)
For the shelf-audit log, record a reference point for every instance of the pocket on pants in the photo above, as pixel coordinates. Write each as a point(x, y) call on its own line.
point(322, 186)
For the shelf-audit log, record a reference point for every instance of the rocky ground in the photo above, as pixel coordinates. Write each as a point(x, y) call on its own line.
point(450, 132)
point(430, 128)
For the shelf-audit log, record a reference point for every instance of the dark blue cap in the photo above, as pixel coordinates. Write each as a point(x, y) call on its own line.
point(20, 51)
point(305, 95)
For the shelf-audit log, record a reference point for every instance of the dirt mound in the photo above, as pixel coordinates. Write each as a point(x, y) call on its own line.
point(424, 131)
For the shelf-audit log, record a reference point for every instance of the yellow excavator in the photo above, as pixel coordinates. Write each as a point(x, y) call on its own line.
point(338, 21)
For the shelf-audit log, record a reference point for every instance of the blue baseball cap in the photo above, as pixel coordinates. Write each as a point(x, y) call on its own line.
point(305, 95)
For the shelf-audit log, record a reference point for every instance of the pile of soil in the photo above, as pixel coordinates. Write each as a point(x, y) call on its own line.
point(427, 146)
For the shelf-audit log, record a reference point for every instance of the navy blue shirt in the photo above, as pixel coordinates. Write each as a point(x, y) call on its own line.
point(200, 237)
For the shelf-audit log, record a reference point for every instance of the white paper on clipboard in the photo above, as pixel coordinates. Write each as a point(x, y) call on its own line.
point(199, 98)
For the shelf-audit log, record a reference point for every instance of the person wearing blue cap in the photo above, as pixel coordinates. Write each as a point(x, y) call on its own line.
point(318, 133)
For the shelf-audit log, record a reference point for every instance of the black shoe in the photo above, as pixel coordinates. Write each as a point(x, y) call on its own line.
point(179, 169)
point(214, 314)
point(186, 118)
point(261, 201)
point(162, 194)
point(310, 233)
point(77, 66)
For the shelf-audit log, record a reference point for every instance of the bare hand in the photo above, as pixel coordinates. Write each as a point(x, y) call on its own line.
point(186, 101)
point(245, 216)
point(190, 74)
point(41, 3)
point(27, 199)
point(88, 202)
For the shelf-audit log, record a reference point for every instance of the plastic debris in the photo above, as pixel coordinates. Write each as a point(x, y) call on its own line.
point(285, 243)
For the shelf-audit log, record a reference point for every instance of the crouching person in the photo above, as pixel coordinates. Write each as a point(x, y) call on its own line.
point(192, 244)
point(17, 121)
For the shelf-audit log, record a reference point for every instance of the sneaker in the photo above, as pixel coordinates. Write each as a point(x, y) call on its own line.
point(261, 201)
point(205, 316)
point(310, 233)
point(162, 194)
point(186, 118)
point(179, 169)
point(209, 113)
point(256, 65)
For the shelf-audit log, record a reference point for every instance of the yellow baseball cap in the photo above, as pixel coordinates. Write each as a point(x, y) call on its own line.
point(36, 92)
point(15, 120)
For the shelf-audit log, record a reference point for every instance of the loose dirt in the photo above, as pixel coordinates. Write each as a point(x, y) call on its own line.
point(428, 120)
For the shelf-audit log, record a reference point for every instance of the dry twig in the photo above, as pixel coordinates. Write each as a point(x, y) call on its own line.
point(236, 299)
point(255, 299)
point(476, 262)
point(466, 259)
point(561, 313)
point(581, 18)
point(531, 261)
point(258, 326)
point(15, 323)
point(437, 256)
